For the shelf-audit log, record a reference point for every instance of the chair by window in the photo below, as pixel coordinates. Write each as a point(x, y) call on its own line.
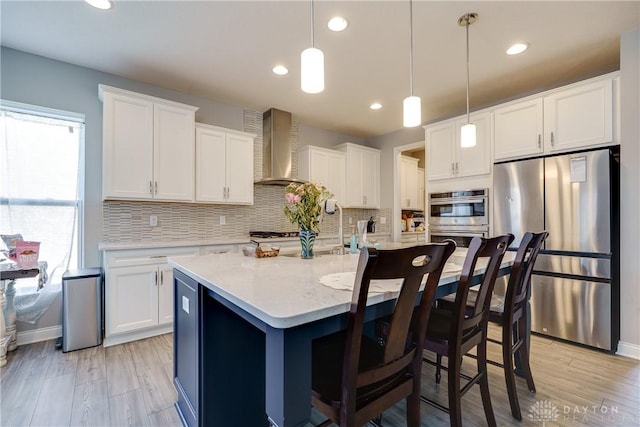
point(355, 378)
point(454, 330)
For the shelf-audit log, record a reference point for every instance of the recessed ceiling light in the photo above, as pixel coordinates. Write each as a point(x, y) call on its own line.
point(100, 4)
point(280, 70)
point(337, 23)
point(517, 48)
point(375, 106)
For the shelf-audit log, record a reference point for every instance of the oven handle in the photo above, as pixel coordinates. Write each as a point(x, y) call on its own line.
point(458, 201)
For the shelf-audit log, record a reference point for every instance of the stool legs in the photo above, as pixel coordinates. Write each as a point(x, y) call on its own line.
point(484, 383)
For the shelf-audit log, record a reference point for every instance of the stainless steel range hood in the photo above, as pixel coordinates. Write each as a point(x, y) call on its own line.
point(276, 148)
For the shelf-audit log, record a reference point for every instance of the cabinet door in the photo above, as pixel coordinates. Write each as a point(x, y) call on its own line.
point(579, 117)
point(371, 179)
point(239, 167)
point(409, 183)
point(355, 179)
point(440, 151)
point(165, 294)
point(186, 346)
point(131, 298)
point(173, 153)
point(210, 165)
point(421, 190)
point(518, 130)
point(324, 166)
point(127, 147)
point(474, 160)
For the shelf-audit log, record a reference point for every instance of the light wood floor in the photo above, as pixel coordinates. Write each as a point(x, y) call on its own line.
point(130, 385)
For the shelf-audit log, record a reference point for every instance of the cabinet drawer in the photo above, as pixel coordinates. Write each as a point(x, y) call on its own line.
point(129, 258)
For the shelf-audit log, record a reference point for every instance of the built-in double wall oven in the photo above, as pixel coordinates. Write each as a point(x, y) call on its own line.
point(459, 215)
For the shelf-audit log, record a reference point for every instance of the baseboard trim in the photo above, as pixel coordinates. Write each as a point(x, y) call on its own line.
point(628, 350)
point(137, 335)
point(40, 334)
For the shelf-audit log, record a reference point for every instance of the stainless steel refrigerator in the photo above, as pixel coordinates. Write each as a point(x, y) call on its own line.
point(575, 285)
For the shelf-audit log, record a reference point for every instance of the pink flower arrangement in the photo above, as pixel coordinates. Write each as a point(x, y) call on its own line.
point(303, 205)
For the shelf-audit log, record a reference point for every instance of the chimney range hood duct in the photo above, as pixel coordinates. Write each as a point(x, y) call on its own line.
point(276, 148)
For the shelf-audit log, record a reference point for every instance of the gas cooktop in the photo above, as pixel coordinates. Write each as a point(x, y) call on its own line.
point(271, 234)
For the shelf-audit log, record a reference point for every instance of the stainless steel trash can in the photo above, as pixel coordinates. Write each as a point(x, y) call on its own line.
point(81, 309)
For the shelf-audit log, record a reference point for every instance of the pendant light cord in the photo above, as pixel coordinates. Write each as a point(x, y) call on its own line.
point(411, 46)
point(467, 25)
point(312, 32)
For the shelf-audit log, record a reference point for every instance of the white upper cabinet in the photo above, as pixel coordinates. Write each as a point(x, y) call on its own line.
point(578, 116)
point(518, 129)
point(147, 147)
point(440, 141)
point(224, 165)
point(447, 159)
point(324, 166)
point(409, 185)
point(362, 176)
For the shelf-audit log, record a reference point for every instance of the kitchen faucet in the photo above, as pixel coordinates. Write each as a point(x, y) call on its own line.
point(330, 207)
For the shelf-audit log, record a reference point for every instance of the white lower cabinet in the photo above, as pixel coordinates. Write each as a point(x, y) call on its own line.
point(414, 237)
point(139, 293)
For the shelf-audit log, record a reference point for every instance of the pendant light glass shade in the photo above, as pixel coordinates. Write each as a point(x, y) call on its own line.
point(312, 70)
point(412, 111)
point(468, 135)
point(468, 131)
point(312, 65)
point(411, 106)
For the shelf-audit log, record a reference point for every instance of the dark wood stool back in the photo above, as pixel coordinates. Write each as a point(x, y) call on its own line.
point(354, 377)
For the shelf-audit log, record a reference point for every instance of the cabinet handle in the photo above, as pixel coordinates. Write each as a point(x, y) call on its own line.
point(156, 279)
point(228, 192)
point(161, 278)
point(553, 142)
point(539, 141)
point(456, 168)
point(453, 168)
point(151, 187)
point(155, 188)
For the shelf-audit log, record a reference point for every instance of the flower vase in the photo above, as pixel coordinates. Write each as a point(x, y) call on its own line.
point(307, 239)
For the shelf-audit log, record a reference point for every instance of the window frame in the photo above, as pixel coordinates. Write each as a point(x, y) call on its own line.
point(35, 110)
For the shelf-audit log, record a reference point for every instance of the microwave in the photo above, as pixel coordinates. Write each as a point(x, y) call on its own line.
point(464, 207)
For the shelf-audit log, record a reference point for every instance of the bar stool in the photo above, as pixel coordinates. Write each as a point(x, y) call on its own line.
point(453, 330)
point(354, 377)
point(511, 313)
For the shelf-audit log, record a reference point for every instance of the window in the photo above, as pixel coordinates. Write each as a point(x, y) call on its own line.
point(40, 177)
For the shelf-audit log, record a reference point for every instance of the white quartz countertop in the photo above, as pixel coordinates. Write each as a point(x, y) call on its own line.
point(285, 291)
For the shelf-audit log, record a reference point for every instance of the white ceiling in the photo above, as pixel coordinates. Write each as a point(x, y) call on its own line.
point(225, 50)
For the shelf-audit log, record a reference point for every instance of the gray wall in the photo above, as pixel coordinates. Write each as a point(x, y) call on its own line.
point(630, 193)
point(308, 135)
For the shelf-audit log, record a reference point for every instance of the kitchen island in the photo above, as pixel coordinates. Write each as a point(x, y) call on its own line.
point(244, 327)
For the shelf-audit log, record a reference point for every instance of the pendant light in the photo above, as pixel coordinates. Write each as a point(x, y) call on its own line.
point(468, 131)
point(412, 114)
point(312, 66)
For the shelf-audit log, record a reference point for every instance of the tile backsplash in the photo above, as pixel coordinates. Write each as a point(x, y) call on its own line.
point(127, 222)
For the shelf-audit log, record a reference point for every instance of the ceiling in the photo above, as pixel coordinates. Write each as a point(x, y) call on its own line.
point(226, 50)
